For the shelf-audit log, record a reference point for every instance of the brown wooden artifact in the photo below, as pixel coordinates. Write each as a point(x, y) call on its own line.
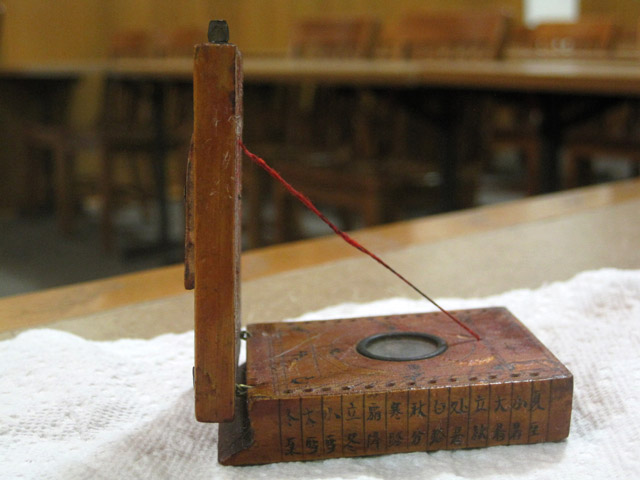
point(352, 387)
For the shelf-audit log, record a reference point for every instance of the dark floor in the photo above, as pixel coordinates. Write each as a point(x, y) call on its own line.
point(34, 255)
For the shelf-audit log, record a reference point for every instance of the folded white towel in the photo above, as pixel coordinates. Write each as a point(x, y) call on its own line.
point(72, 408)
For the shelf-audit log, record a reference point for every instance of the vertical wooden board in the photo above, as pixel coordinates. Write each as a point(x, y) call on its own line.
point(216, 227)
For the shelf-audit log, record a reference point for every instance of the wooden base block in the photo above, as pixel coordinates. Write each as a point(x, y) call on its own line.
point(315, 396)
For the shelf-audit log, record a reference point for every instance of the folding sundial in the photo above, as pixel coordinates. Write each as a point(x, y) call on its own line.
point(341, 388)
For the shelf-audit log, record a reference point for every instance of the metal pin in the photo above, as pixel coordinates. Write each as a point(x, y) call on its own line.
point(218, 31)
point(242, 389)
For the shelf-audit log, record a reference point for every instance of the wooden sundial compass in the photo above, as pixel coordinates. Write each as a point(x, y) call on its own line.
point(341, 388)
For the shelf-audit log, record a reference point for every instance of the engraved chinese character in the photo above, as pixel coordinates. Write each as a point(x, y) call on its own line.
point(352, 441)
point(437, 436)
point(498, 433)
point(374, 413)
point(457, 437)
point(395, 411)
point(394, 439)
point(519, 403)
point(458, 406)
point(535, 401)
point(416, 409)
point(352, 412)
point(480, 432)
point(328, 413)
point(534, 429)
point(330, 444)
point(516, 431)
point(307, 415)
point(500, 404)
point(416, 437)
point(290, 447)
point(373, 440)
point(439, 407)
point(311, 445)
point(290, 417)
point(480, 404)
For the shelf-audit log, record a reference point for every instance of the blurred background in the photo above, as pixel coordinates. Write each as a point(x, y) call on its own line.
point(95, 119)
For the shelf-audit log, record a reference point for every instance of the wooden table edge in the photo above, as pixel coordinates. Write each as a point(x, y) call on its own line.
point(46, 306)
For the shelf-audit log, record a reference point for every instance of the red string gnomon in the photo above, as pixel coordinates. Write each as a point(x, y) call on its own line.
point(351, 241)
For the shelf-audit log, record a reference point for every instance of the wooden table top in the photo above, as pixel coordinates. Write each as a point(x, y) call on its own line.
point(480, 251)
point(604, 76)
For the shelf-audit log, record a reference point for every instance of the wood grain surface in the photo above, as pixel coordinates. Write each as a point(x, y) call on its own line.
point(314, 395)
point(217, 162)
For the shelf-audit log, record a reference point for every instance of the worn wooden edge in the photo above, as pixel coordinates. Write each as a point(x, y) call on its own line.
point(40, 308)
point(189, 250)
point(217, 161)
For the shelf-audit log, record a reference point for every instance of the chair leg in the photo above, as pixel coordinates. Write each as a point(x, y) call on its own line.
point(106, 221)
point(63, 178)
point(576, 169)
point(373, 211)
point(531, 153)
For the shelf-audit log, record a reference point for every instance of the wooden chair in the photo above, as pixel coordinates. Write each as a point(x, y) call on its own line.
point(586, 38)
point(516, 123)
point(317, 128)
point(124, 131)
point(179, 42)
point(326, 37)
point(450, 35)
point(611, 137)
point(365, 153)
point(456, 36)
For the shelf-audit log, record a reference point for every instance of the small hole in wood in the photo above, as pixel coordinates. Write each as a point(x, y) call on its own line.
point(287, 391)
point(391, 384)
point(453, 379)
point(368, 386)
point(411, 384)
point(515, 375)
point(308, 390)
point(534, 374)
point(326, 389)
point(492, 377)
point(346, 388)
point(473, 379)
point(433, 381)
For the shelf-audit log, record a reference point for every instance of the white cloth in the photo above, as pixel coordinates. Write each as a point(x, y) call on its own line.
point(72, 408)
